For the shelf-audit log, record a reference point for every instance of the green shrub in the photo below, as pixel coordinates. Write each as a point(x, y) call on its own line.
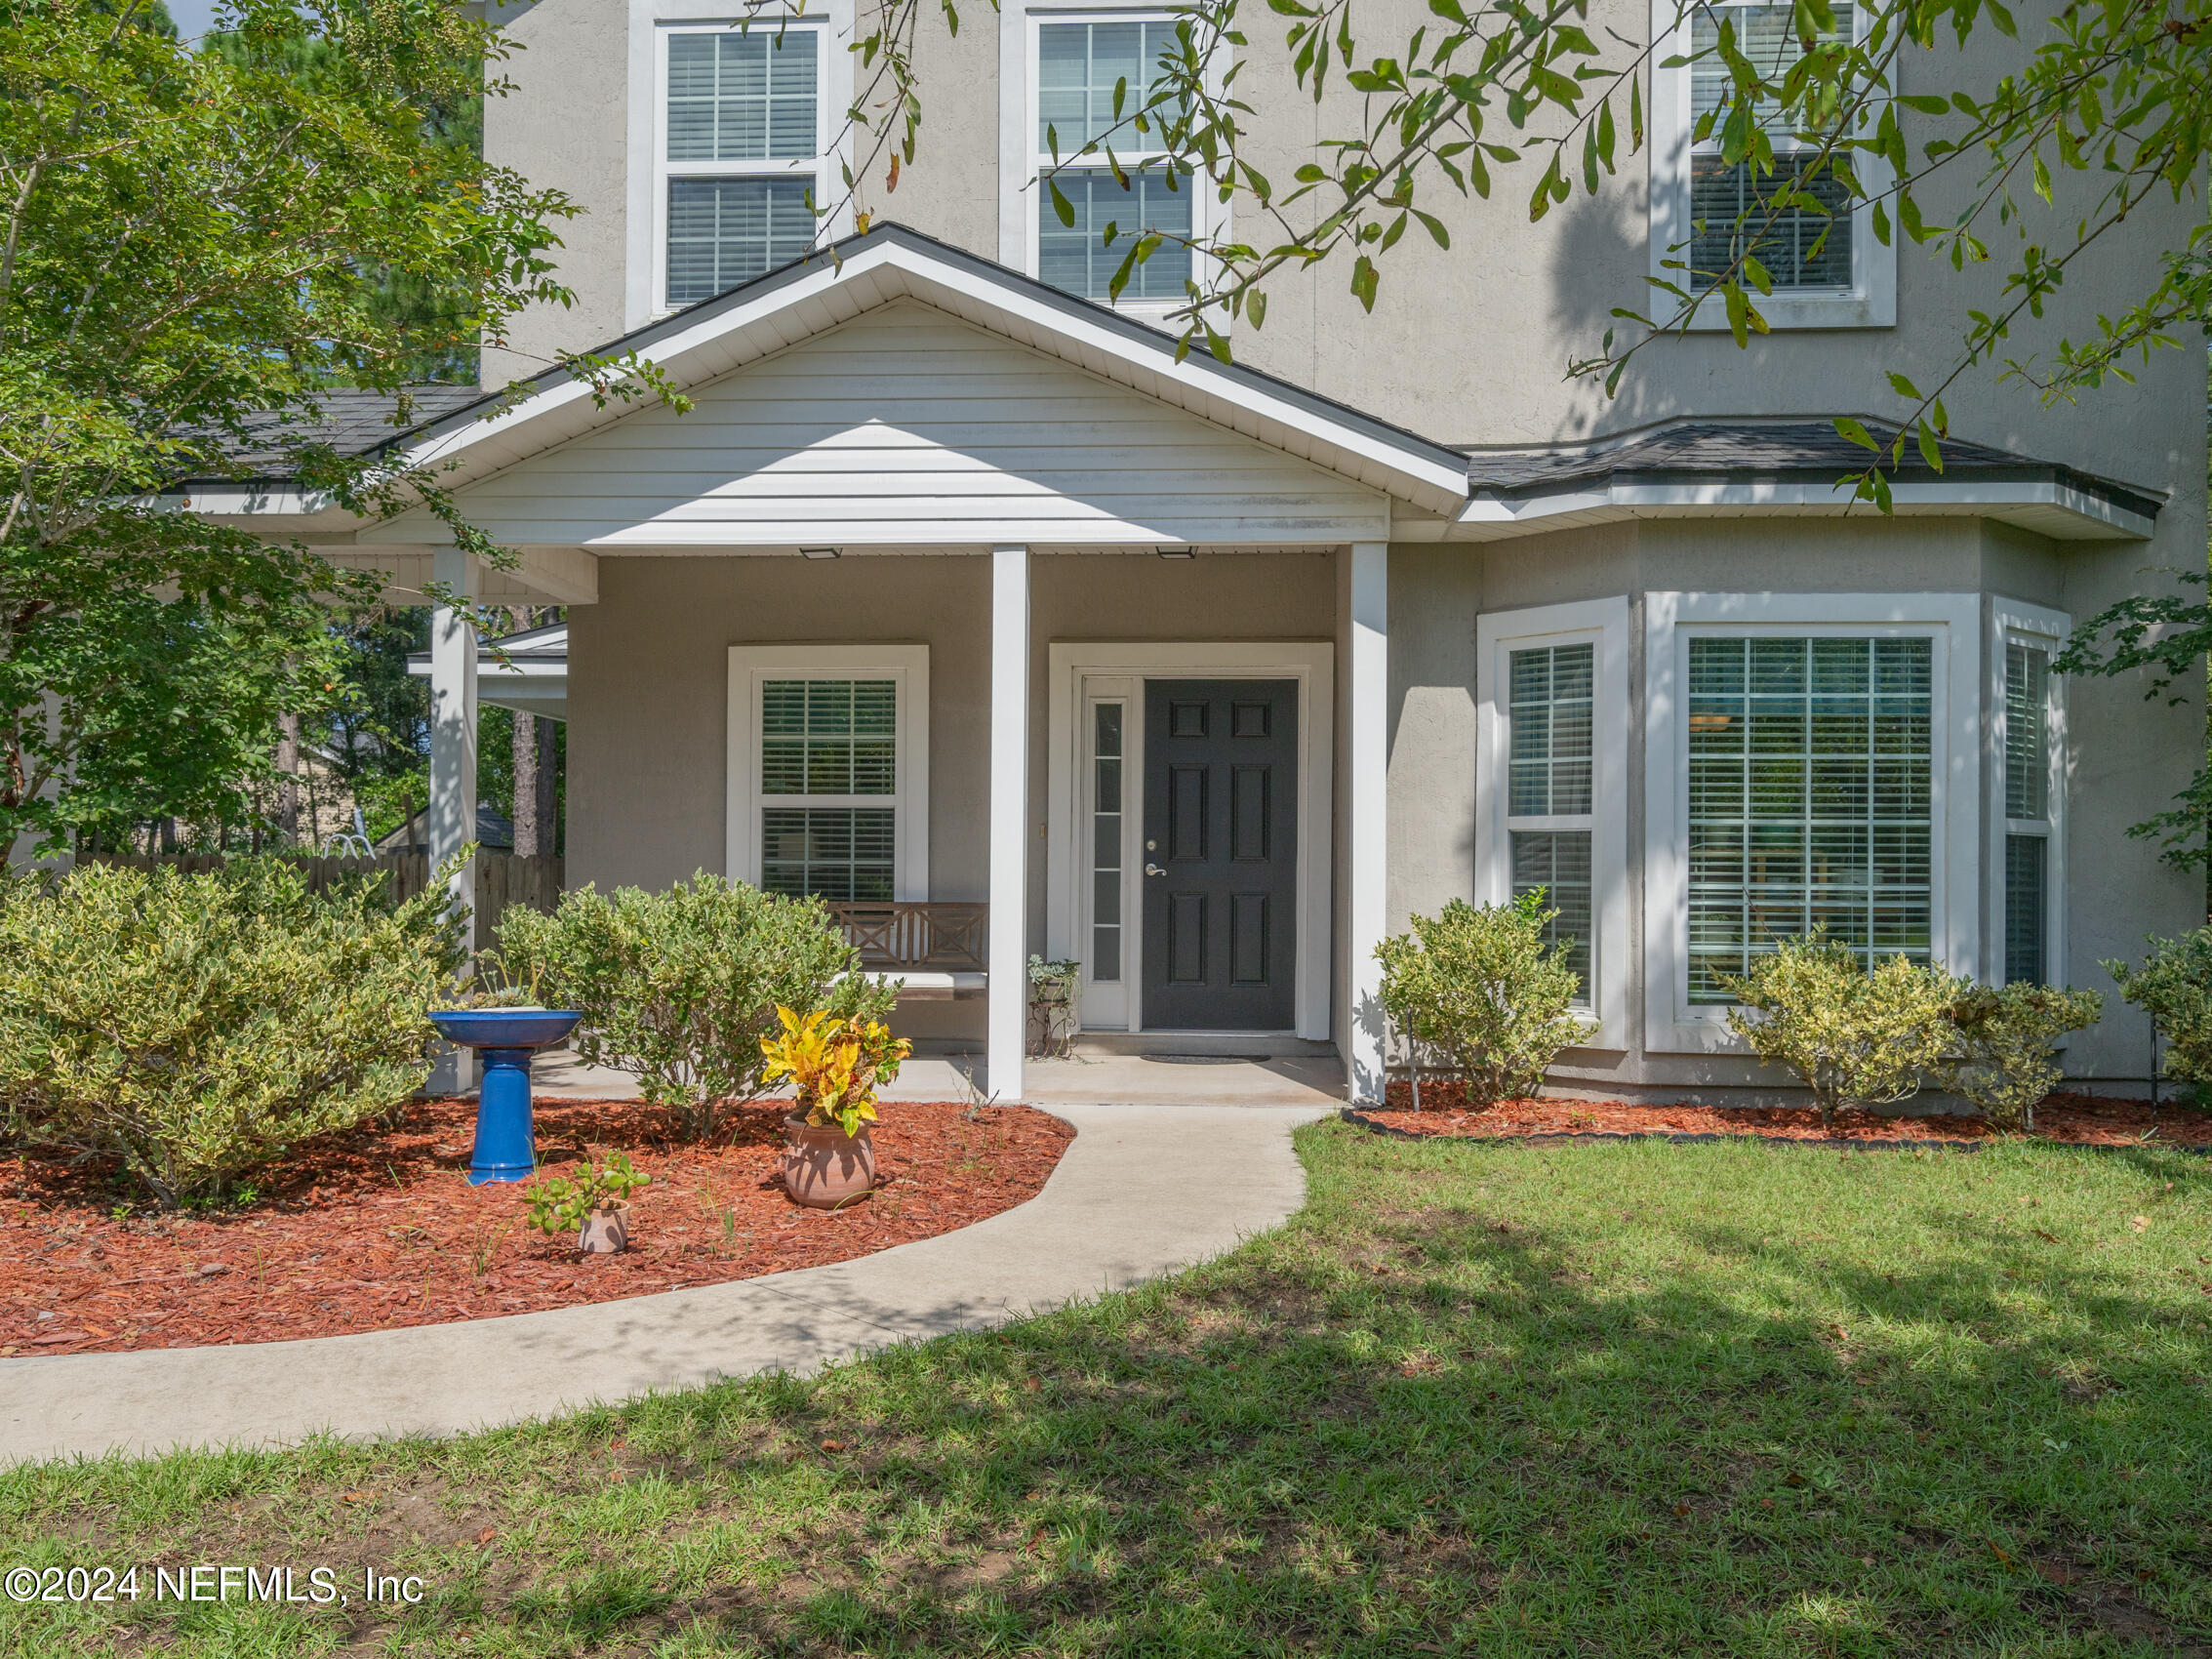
point(195, 1026)
point(1857, 1036)
point(679, 987)
point(2003, 1056)
point(1477, 985)
point(2174, 986)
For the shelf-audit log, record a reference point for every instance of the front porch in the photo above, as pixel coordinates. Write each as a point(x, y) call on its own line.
point(942, 588)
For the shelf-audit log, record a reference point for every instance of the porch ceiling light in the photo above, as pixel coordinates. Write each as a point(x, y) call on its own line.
point(818, 552)
point(1176, 552)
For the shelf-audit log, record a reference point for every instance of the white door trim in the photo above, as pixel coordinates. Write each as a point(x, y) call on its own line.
point(1310, 663)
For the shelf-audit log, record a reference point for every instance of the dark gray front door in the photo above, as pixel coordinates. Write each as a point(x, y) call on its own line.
point(1220, 854)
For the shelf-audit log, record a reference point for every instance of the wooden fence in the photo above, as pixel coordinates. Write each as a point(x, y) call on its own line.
point(502, 878)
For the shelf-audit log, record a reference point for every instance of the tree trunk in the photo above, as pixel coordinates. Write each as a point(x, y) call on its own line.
point(528, 826)
point(288, 777)
point(549, 794)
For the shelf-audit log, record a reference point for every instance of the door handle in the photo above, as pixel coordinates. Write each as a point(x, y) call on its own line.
point(1154, 869)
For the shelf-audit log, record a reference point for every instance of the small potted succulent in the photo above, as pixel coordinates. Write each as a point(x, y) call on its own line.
point(594, 1201)
point(837, 1066)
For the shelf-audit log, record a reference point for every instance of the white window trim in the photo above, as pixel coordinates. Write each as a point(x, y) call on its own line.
point(1957, 776)
point(651, 22)
point(1021, 200)
point(1605, 623)
point(905, 665)
point(1871, 300)
point(1071, 667)
point(2031, 625)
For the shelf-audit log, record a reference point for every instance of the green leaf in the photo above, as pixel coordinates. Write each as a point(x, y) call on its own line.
point(1903, 385)
point(1846, 428)
point(1060, 205)
point(1364, 281)
point(1930, 451)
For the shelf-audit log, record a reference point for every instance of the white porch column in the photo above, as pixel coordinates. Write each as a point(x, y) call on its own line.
point(1006, 1031)
point(451, 817)
point(1368, 777)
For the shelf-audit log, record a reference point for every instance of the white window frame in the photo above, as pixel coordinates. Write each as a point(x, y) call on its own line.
point(1604, 623)
point(907, 666)
point(2012, 619)
point(1871, 301)
point(1672, 1024)
point(650, 23)
point(1023, 199)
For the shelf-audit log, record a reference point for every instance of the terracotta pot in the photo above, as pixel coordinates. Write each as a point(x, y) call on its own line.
point(605, 1230)
point(823, 1165)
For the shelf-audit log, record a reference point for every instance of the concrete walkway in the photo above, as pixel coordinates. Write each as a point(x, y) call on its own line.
point(1143, 1079)
point(1143, 1191)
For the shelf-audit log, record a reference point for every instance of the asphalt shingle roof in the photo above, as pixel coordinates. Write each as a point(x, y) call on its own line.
point(352, 422)
point(1745, 451)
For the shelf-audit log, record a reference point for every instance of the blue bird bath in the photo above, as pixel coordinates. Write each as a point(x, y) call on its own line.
point(506, 1037)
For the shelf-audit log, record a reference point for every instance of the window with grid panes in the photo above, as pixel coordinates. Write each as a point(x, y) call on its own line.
point(1729, 203)
point(1081, 65)
point(828, 773)
point(1810, 779)
point(1549, 820)
point(2027, 812)
point(742, 136)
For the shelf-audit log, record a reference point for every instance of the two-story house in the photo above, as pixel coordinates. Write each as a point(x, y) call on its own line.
point(955, 588)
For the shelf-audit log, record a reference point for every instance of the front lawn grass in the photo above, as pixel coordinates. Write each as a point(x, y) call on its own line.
point(1476, 1398)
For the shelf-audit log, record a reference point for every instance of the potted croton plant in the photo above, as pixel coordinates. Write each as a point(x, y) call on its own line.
point(836, 1064)
point(595, 1202)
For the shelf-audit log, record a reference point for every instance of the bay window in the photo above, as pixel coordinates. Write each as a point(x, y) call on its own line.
point(2028, 791)
point(1552, 787)
point(1808, 765)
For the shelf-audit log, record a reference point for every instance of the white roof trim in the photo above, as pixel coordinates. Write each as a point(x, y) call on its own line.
point(2050, 508)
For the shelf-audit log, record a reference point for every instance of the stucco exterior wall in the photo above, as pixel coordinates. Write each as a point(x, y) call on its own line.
point(564, 126)
point(1467, 345)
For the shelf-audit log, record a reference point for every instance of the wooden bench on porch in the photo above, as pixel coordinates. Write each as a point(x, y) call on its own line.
point(936, 946)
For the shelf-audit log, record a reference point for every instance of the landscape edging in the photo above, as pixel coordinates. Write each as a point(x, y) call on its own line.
point(1694, 1137)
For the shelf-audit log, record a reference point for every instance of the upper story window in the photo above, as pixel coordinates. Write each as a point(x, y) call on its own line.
point(1078, 66)
point(1827, 270)
point(1729, 203)
point(740, 156)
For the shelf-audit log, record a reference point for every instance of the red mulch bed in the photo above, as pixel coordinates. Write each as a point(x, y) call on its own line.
point(372, 1229)
point(2072, 1120)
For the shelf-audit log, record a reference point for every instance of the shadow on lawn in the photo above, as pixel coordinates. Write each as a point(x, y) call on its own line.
point(1439, 1431)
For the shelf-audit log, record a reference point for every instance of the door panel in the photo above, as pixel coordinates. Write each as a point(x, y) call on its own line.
point(1221, 832)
